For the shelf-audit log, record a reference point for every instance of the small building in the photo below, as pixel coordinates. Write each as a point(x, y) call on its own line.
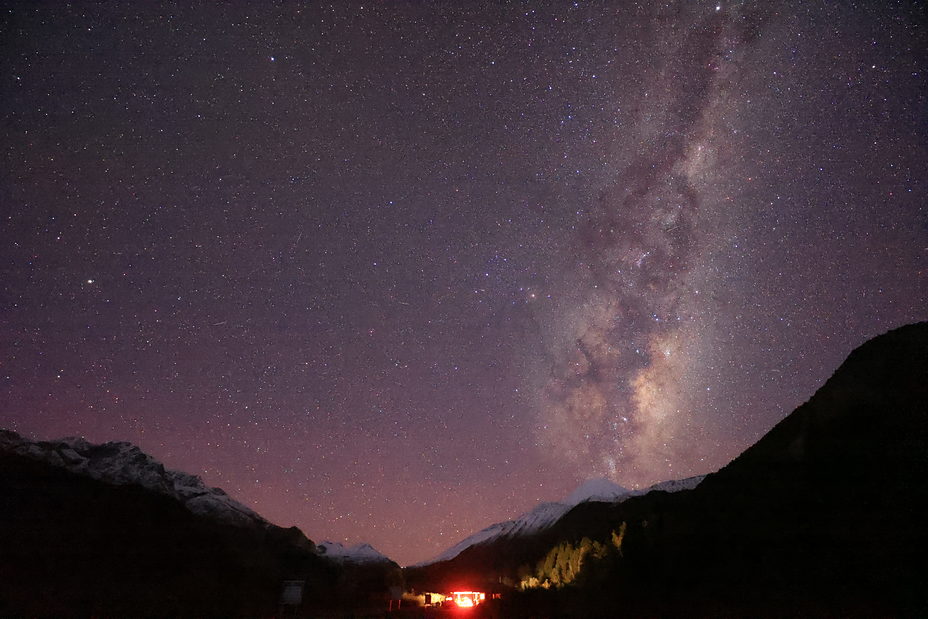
point(467, 599)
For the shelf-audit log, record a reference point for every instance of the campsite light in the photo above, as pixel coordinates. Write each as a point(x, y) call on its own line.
point(467, 599)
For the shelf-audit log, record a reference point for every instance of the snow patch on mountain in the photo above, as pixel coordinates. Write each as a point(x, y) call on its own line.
point(122, 464)
point(544, 515)
point(673, 485)
point(359, 553)
point(602, 490)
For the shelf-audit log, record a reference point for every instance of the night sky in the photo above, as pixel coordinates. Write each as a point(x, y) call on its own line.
point(392, 271)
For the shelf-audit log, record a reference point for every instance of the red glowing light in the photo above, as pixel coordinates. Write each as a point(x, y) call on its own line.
point(467, 599)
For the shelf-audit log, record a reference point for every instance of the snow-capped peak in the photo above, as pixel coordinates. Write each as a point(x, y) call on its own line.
point(121, 463)
point(544, 515)
point(359, 553)
point(600, 489)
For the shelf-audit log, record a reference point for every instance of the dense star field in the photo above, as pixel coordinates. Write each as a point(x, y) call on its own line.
point(394, 271)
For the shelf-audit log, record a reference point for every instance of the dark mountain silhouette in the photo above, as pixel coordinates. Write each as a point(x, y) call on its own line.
point(106, 531)
point(824, 516)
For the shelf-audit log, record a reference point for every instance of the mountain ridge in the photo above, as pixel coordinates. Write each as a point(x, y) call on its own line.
point(120, 535)
point(547, 513)
point(122, 463)
point(358, 553)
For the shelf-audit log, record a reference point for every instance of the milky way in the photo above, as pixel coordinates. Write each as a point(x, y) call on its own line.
point(618, 398)
point(391, 272)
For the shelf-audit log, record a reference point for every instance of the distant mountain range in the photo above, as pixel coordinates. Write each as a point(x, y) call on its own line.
point(547, 514)
point(359, 553)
